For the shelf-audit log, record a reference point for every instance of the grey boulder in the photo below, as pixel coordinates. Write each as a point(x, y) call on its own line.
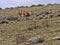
point(36, 40)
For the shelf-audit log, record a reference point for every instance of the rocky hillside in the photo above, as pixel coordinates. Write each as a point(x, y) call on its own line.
point(42, 27)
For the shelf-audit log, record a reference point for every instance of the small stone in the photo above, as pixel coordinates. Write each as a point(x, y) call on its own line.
point(56, 38)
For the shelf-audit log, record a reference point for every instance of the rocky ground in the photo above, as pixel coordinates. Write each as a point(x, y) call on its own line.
point(42, 27)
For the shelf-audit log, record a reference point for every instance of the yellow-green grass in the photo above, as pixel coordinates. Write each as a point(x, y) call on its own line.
point(9, 31)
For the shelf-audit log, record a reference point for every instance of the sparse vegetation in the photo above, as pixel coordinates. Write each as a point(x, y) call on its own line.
point(40, 5)
point(0, 8)
point(33, 5)
point(19, 32)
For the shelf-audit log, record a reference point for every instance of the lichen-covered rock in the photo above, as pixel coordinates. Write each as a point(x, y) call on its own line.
point(36, 40)
point(3, 21)
point(43, 12)
point(2, 18)
point(25, 18)
point(56, 38)
point(39, 17)
point(11, 18)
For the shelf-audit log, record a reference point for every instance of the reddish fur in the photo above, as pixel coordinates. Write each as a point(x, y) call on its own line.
point(23, 13)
